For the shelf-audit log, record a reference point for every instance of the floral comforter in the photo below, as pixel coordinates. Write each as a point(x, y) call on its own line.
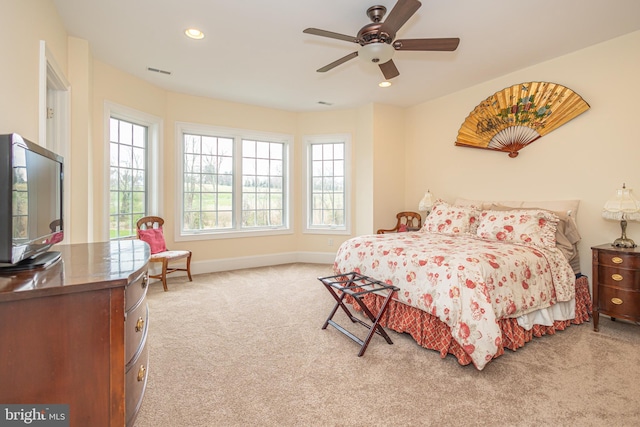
point(467, 282)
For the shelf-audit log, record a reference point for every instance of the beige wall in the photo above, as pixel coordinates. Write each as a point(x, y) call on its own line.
point(586, 159)
point(328, 122)
point(397, 154)
point(112, 85)
point(388, 166)
point(23, 23)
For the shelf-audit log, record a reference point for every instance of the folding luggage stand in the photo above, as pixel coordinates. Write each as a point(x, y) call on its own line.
point(357, 285)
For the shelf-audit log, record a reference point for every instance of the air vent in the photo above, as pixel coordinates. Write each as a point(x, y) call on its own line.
point(325, 103)
point(156, 70)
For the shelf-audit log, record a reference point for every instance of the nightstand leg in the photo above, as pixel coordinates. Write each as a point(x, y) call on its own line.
point(596, 318)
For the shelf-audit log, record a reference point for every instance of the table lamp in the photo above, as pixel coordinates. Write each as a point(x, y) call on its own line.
point(622, 207)
point(426, 202)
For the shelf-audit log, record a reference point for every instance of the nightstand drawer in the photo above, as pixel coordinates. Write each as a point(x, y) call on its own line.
point(619, 303)
point(619, 260)
point(619, 277)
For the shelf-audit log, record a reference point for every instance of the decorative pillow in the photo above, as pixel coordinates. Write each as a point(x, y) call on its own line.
point(532, 227)
point(448, 219)
point(155, 239)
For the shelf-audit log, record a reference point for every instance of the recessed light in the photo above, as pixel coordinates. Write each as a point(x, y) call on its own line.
point(385, 83)
point(194, 33)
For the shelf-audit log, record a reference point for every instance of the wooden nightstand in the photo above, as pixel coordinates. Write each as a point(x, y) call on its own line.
point(616, 283)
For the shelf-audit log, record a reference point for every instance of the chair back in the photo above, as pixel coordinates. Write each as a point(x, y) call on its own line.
point(412, 220)
point(149, 222)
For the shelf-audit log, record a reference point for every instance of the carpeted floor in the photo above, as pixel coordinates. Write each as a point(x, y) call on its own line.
point(246, 348)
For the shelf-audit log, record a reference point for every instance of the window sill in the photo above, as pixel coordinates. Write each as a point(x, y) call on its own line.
point(231, 234)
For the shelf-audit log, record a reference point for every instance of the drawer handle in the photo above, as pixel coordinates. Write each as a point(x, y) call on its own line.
point(141, 372)
point(139, 324)
point(616, 301)
point(617, 277)
point(617, 260)
point(145, 280)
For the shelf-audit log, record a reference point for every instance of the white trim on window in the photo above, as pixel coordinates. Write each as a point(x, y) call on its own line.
point(237, 135)
point(154, 126)
point(308, 141)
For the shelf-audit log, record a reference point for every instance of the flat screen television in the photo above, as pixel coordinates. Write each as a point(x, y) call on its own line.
point(31, 187)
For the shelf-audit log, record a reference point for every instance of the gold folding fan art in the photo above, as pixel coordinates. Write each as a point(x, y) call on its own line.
point(514, 117)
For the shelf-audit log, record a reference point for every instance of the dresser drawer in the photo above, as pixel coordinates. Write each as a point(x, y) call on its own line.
point(619, 277)
point(619, 303)
point(136, 290)
point(136, 383)
point(135, 330)
point(631, 261)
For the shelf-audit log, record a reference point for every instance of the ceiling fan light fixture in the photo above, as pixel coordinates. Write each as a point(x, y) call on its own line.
point(376, 53)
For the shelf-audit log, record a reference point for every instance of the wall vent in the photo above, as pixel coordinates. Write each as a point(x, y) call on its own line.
point(157, 70)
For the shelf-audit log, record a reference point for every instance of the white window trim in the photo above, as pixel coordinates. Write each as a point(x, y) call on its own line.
point(306, 170)
point(237, 135)
point(154, 126)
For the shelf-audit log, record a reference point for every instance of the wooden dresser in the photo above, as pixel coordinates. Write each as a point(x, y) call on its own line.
point(75, 333)
point(616, 283)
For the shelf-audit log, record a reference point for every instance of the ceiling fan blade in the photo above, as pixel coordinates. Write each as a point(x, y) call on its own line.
point(446, 44)
point(399, 15)
point(330, 34)
point(389, 70)
point(338, 62)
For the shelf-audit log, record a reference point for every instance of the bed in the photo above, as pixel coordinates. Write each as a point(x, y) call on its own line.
point(478, 277)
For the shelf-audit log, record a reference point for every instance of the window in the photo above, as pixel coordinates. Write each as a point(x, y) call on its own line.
point(128, 177)
point(20, 194)
point(208, 183)
point(134, 187)
point(233, 181)
point(327, 188)
point(262, 184)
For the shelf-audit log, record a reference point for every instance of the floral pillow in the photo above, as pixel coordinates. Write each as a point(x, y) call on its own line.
point(527, 227)
point(448, 219)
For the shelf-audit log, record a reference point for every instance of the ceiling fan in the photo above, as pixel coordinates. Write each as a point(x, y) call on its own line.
point(377, 38)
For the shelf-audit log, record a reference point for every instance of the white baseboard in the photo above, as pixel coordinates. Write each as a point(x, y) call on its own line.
point(226, 264)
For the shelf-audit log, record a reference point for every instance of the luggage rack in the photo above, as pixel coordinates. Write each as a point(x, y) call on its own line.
point(357, 285)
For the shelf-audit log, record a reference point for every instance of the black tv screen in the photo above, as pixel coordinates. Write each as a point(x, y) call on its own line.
point(31, 190)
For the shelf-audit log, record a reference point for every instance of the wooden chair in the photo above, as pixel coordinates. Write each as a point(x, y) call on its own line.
point(167, 256)
point(409, 221)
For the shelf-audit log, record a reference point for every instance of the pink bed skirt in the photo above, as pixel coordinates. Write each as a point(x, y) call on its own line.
point(430, 332)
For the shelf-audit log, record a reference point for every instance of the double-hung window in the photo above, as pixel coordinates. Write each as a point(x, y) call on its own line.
point(128, 177)
point(327, 172)
point(232, 182)
point(133, 164)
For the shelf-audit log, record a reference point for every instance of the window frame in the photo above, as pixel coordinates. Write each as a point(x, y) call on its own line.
point(237, 135)
point(154, 188)
point(309, 141)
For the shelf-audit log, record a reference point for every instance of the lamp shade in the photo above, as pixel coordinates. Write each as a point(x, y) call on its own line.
point(426, 202)
point(377, 52)
point(622, 206)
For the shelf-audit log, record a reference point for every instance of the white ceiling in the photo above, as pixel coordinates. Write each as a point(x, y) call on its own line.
point(255, 52)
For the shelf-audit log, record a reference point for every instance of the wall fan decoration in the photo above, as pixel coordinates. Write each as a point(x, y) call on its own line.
point(514, 117)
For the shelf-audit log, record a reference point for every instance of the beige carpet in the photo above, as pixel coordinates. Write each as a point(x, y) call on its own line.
point(246, 348)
